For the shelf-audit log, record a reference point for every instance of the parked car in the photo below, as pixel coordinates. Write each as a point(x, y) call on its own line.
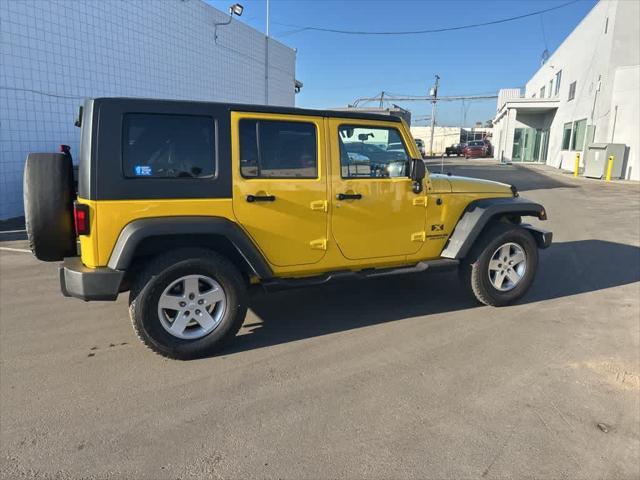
point(477, 149)
point(186, 205)
point(455, 149)
point(421, 147)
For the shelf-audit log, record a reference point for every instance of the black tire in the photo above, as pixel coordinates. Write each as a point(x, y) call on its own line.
point(158, 274)
point(475, 268)
point(48, 206)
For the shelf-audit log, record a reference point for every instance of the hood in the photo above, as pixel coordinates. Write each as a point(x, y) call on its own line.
point(473, 185)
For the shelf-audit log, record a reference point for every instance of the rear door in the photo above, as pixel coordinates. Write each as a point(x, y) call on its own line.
point(375, 211)
point(280, 185)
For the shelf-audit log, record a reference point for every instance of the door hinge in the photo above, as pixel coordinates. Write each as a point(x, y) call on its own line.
point(419, 236)
point(420, 201)
point(319, 244)
point(320, 205)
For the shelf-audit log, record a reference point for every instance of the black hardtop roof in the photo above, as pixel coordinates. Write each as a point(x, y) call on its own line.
point(242, 107)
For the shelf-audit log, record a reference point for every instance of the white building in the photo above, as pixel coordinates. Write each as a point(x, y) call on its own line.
point(586, 92)
point(54, 53)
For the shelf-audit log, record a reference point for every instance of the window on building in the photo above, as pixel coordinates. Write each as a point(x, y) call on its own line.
point(542, 90)
point(372, 152)
point(168, 146)
point(558, 81)
point(550, 88)
point(579, 129)
point(275, 149)
point(566, 136)
point(572, 91)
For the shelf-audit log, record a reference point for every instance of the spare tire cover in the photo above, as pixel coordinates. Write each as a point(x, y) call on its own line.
point(48, 206)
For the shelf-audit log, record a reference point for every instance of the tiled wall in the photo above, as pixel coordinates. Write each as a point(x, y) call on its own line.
point(54, 53)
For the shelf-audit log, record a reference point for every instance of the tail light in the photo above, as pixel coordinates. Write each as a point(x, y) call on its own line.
point(81, 218)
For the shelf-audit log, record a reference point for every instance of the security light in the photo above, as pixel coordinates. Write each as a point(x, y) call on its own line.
point(236, 9)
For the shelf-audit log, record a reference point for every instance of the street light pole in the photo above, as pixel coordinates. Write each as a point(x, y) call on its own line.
point(434, 96)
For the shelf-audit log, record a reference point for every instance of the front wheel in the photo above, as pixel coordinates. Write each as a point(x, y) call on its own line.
point(188, 303)
point(502, 267)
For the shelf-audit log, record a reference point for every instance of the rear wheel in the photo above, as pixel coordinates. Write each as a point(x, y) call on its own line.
point(188, 303)
point(501, 268)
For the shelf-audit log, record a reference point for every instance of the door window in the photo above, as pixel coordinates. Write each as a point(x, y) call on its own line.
point(367, 152)
point(277, 149)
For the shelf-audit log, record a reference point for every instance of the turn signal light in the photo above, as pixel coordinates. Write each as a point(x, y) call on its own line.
point(81, 218)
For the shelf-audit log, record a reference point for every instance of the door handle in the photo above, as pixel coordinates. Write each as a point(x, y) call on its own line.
point(261, 198)
point(349, 196)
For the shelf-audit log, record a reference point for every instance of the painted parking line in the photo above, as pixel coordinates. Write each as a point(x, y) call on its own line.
point(12, 231)
point(20, 250)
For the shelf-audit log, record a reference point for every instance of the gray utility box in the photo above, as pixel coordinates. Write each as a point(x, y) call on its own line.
point(597, 156)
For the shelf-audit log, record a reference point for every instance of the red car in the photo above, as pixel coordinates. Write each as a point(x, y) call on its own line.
point(477, 148)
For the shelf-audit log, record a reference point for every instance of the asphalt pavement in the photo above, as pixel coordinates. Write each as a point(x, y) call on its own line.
point(398, 377)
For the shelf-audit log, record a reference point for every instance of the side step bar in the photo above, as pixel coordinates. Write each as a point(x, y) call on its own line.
point(276, 284)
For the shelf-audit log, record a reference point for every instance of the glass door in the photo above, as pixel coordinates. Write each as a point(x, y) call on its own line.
point(528, 144)
point(542, 158)
point(516, 154)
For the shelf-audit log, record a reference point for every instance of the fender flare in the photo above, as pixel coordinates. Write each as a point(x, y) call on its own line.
point(478, 214)
point(135, 232)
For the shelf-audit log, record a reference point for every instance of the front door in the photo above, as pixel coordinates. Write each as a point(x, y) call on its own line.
point(374, 210)
point(280, 185)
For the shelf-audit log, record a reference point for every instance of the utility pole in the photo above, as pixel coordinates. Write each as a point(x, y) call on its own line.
point(434, 96)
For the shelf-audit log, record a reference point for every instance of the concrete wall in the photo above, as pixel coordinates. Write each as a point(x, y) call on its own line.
point(625, 108)
point(54, 53)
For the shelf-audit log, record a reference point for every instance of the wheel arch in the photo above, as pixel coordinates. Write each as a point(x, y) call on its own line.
point(479, 214)
point(150, 236)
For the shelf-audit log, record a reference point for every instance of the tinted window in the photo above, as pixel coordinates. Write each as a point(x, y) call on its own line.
point(372, 152)
point(275, 149)
point(566, 136)
point(168, 146)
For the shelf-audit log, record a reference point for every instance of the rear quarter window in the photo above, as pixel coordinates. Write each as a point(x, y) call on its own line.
point(168, 146)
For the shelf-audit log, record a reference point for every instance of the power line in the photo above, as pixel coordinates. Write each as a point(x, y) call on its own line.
point(301, 28)
point(417, 98)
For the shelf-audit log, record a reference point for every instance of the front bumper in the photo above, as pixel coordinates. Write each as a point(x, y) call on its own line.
point(543, 237)
point(86, 283)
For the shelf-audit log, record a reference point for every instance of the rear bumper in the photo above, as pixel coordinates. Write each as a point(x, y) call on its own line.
point(86, 283)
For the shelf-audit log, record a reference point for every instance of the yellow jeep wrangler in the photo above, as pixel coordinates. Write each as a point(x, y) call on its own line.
point(187, 204)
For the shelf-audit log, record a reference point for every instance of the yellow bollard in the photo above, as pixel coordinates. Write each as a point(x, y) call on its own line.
point(609, 168)
point(576, 168)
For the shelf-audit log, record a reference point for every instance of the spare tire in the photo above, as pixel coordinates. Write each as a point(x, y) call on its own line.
point(48, 206)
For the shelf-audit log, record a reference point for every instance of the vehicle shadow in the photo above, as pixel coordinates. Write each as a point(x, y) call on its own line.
point(565, 269)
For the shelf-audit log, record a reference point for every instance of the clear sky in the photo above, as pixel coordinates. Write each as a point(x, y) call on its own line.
point(336, 69)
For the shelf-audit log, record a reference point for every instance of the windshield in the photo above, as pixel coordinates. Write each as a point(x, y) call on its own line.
point(478, 143)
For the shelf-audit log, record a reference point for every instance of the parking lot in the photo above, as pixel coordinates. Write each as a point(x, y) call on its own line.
point(397, 377)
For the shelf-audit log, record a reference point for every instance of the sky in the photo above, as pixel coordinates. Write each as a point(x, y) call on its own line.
point(337, 69)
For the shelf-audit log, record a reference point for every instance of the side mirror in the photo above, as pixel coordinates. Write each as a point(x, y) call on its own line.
point(418, 172)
